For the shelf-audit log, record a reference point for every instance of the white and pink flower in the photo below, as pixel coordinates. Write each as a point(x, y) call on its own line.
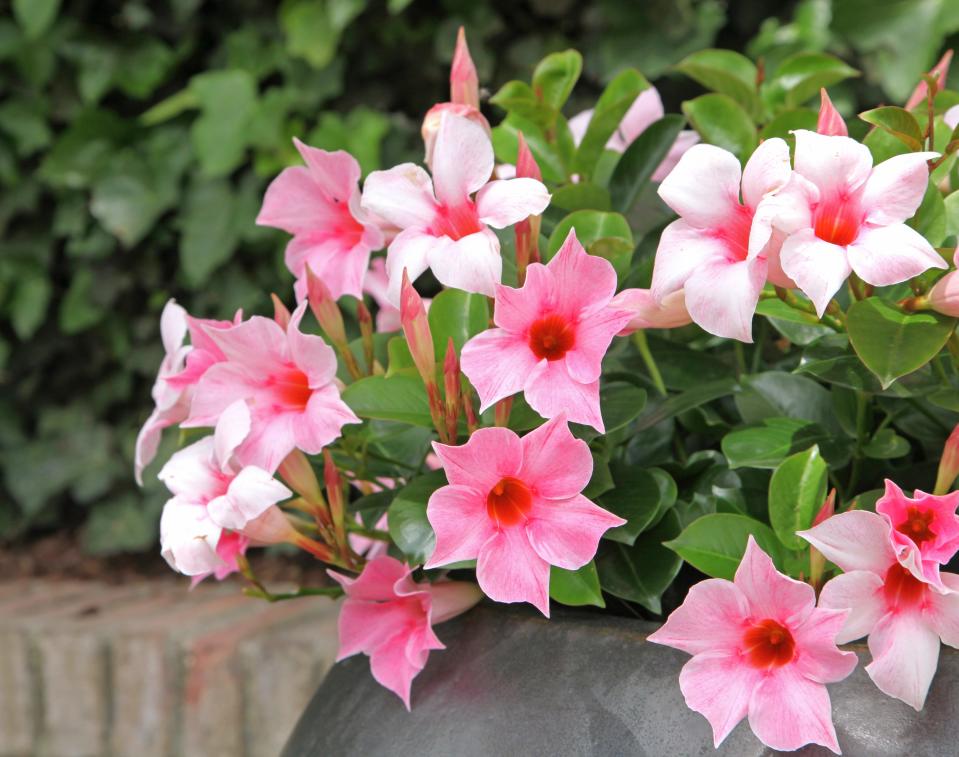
point(515, 505)
point(550, 337)
point(446, 220)
point(761, 648)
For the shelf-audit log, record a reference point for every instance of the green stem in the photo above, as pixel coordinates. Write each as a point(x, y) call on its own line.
point(369, 533)
point(261, 592)
point(639, 339)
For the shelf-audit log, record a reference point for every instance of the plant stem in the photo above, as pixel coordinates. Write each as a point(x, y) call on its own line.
point(639, 339)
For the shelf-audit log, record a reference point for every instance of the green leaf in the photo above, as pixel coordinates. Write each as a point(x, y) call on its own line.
point(930, 218)
point(679, 403)
point(228, 103)
point(642, 572)
point(209, 233)
point(640, 161)
point(607, 235)
point(780, 394)
point(409, 527)
point(28, 308)
point(576, 587)
point(35, 16)
point(77, 308)
point(722, 122)
point(123, 525)
point(898, 122)
point(620, 403)
point(313, 27)
point(126, 199)
point(728, 73)
point(886, 444)
point(797, 491)
point(788, 121)
point(801, 76)
point(581, 196)
point(457, 314)
point(714, 544)
point(397, 398)
point(519, 100)
point(766, 445)
point(892, 343)
point(555, 76)
point(640, 497)
point(602, 479)
point(612, 105)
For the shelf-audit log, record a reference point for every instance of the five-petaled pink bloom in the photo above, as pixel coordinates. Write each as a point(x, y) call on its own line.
point(444, 226)
point(288, 380)
point(722, 248)
point(515, 505)
point(840, 214)
point(760, 648)
point(214, 495)
point(389, 617)
point(319, 204)
point(550, 338)
point(904, 616)
point(643, 113)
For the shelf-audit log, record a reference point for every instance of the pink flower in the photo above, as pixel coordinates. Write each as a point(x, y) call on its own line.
point(288, 380)
point(760, 648)
point(389, 617)
point(213, 492)
point(444, 227)
point(944, 295)
point(181, 368)
point(319, 204)
point(843, 215)
point(647, 313)
point(515, 506)
point(375, 285)
point(366, 546)
point(645, 111)
point(717, 251)
point(925, 530)
point(951, 117)
point(551, 337)
point(904, 617)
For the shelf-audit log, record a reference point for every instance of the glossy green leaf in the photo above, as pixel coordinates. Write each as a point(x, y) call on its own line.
point(886, 444)
point(898, 122)
point(788, 121)
point(727, 72)
point(612, 105)
point(714, 544)
point(801, 76)
point(641, 159)
point(555, 76)
point(767, 444)
point(457, 314)
point(35, 16)
point(607, 235)
point(640, 497)
point(930, 218)
point(581, 196)
point(576, 587)
point(722, 122)
point(409, 527)
point(797, 491)
point(659, 411)
point(220, 135)
point(642, 572)
point(892, 343)
point(397, 398)
point(779, 394)
point(210, 230)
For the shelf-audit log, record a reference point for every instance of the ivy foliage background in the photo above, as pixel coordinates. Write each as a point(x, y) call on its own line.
point(136, 139)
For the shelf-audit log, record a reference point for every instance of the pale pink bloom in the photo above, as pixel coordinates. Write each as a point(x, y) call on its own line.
point(387, 315)
point(949, 462)
point(319, 204)
point(944, 295)
point(434, 117)
point(718, 248)
point(212, 492)
point(830, 122)
point(550, 338)
point(645, 111)
point(515, 505)
point(647, 313)
point(229, 548)
point(925, 530)
point(444, 226)
point(760, 648)
point(389, 617)
point(841, 214)
point(940, 71)
point(951, 117)
point(904, 617)
point(368, 547)
point(288, 380)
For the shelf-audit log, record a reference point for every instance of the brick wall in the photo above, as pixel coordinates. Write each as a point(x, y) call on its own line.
point(154, 670)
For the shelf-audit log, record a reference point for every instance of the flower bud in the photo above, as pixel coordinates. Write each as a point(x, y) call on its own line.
point(527, 230)
point(272, 527)
point(464, 81)
point(949, 464)
point(325, 309)
point(648, 314)
point(944, 296)
point(830, 122)
point(451, 385)
point(940, 71)
point(281, 313)
point(297, 471)
point(817, 561)
point(431, 123)
point(416, 327)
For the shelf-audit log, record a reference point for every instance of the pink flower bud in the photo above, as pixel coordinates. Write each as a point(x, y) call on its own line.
point(272, 527)
point(649, 314)
point(464, 82)
point(827, 510)
point(325, 309)
point(431, 123)
point(298, 473)
point(451, 385)
point(944, 296)
point(940, 71)
point(526, 165)
point(281, 313)
point(830, 122)
point(416, 327)
point(949, 464)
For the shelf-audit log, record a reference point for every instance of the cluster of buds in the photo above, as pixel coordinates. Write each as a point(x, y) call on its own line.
point(328, 315)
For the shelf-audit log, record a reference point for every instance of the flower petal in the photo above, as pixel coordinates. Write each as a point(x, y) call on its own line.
point(818, 268)
point(684, 140)
point(860, 592)
point(682, 251)
point(895, 188)
point(704, 186)
point(555, 463)
point(647, 313)
point(766, 171)
point(905, 654)
point(566, 532)
point(250, 494)
point(461, 523)
point(643, 113)
point(516, 309)
point(819, 658)
point(403, 195)
point(885, 255)
point(509, 570)
point(339, 263)
point(231, 429)
point(722, 296)
point(322, 421)
point(294, 202)
point(941, 611)
point(497, 363)
point(310, 353)
point(710, 619)
point(410, 250)
point(839, 164)
point(190, 472)
point(550, 390)
point(787, 710)
point(505, 202)
point(855, 540)
point(471, 263)
point(771, 594)
point(594, 334)
point(462, 159)
point(489, 455)
point(718, 686)
point(188, 538)
point(336, 173)
point(580, 280)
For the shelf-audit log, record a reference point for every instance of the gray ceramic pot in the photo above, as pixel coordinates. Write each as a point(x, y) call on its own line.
point(513, 683)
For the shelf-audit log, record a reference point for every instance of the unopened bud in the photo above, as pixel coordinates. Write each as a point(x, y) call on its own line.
point(949, 464)
point(325, 309)
point(671, 313)
point(281, 313)
point(297, 471)
point(827, 510)
point(272, 527)
point(416, 328)
point(944, 296)
point(365, 319)
point(451, 385)
point(940, 71)
point(464, 81)
point(526, 165)
point(527, 230)
point(817, 561)
point(434, 116)
point(830, 122)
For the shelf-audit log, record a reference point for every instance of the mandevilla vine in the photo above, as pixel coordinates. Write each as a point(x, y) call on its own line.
point(496, 438)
